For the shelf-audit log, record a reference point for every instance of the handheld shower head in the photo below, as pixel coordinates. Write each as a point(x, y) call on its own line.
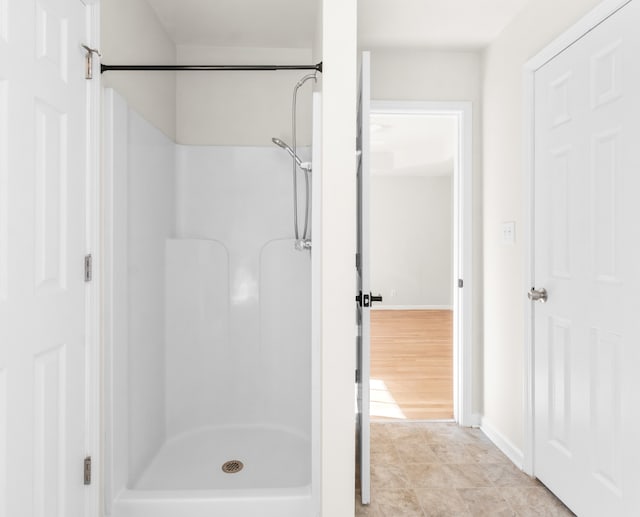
point(284, 146)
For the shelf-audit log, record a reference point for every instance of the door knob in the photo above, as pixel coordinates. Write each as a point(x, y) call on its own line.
point(537, 295)
point(365, 300)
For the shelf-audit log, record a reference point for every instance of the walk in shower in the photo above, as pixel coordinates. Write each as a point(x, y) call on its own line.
point(210, 374)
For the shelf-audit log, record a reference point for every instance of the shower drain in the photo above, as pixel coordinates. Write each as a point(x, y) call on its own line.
point(233, 466)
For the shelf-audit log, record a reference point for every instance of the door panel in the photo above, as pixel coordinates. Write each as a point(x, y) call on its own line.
point(363, 288)
point(587, 251)
point(43, 159)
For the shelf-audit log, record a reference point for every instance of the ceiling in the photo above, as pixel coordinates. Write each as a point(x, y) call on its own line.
point(456, 24)
point(412, 145)
point(460, 24)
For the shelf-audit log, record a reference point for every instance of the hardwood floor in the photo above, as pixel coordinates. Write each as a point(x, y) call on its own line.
point(412, 364)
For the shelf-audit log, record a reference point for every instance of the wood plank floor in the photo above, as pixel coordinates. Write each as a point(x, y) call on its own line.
point(412, 364)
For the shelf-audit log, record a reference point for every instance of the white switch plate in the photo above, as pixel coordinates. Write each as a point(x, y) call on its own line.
point(509, 232)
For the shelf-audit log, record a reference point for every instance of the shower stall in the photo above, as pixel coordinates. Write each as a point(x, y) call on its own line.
point(211, 381)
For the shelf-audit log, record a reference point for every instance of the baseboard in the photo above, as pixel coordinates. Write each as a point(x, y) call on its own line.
point(502, 443)
point(413, 307)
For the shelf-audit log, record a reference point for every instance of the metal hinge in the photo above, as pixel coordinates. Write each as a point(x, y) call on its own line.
point(87, 470)
point(358, 261)
point(88, 73)
point(460, 283)
point(88, 268)
point(357, 376)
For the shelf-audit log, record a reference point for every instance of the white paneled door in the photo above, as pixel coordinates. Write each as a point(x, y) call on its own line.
point(587, 258)
point(43, 163)
point(363, 298)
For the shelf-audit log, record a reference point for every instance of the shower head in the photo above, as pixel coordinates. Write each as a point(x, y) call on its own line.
point(284, 146)
point(281, 144)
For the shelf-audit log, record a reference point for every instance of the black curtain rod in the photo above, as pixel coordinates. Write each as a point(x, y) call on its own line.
point(207, 68)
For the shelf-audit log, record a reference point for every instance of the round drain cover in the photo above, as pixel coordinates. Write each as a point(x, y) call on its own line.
point(233, 466)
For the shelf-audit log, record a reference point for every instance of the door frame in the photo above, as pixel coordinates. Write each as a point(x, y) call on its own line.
point(93, 246)
point(462, 244)
point(588, 22)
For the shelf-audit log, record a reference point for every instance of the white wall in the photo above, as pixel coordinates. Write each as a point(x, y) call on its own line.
point(337, 284)
point(132, 34)
point(235, 233)
point(434, 75)
point(151, 211)
point(241, 108)
point(412, 240)
point(140, 197)
point(531, 30)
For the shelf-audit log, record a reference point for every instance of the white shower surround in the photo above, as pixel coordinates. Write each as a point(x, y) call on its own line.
point(208, 328)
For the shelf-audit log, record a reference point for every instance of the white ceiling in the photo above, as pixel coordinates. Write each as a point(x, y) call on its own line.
point(412, 145)
point(461, 24)
point(291, 23)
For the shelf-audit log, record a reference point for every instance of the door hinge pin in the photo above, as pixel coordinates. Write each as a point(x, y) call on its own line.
point(88, 268)
point(87, 470)
point(88, 74)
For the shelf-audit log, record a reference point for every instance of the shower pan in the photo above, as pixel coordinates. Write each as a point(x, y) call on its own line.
point(210, 359)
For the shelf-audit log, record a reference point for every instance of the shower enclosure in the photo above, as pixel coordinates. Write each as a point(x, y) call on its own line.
point(211, 369)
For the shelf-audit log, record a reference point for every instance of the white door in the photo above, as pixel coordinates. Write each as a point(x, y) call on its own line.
point(43, 162)
point(587, 257)
point(363, 298)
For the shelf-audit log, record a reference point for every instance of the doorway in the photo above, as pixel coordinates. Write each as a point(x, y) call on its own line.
point(420, 261)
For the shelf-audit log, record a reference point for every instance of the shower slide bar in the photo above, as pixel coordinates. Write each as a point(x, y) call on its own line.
point(207, 68)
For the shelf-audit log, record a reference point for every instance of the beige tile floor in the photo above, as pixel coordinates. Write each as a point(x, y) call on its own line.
point(440, 469)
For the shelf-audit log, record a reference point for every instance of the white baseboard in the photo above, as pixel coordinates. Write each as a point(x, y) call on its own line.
point(412, 307)
point(502, 443)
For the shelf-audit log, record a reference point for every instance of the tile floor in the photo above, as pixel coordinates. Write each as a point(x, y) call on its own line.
point(440, 469)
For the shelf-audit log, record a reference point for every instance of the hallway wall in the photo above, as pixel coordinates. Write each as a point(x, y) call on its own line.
point(535, 27)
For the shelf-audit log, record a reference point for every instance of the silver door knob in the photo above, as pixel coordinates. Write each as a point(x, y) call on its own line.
point(537, 295)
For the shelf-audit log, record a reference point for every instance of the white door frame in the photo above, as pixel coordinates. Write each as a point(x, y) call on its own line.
point(462, 244)
point(565, 40)
point(94, 367)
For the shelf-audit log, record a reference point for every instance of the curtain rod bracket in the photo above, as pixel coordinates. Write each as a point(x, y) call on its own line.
point(207, 68)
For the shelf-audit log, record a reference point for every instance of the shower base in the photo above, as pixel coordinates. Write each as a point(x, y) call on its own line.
point(186, 478)
point(272, 458)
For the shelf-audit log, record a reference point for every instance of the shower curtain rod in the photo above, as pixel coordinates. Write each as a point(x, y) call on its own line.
point(206, 68)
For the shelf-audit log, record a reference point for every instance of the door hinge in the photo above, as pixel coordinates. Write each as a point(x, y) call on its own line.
point(460, 283)
point(357, 376)
point(87, 470)
point(358, 261)
point(88, 73)
point(88, 268)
